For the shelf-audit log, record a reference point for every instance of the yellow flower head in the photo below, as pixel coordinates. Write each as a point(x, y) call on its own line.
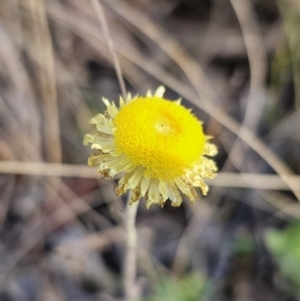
point(157, 144)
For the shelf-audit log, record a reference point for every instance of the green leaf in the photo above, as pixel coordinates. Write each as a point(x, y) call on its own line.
point(188, 288)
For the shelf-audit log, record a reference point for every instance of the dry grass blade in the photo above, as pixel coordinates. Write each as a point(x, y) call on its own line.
point(144, 24)
point(286, 207)
point(27, 119)
point(47, 169)
point(101, 17)
point(225, 179)
point(258, 72)
point(41, 52)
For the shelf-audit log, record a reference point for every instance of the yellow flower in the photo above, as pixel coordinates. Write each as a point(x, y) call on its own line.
point(157, 144)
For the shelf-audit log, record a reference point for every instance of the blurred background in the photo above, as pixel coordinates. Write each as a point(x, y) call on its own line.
point(236, 63)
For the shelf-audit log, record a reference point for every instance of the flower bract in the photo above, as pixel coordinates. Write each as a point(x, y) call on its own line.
point(156, 145)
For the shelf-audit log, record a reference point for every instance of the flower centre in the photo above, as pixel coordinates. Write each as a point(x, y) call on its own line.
point(159, 135)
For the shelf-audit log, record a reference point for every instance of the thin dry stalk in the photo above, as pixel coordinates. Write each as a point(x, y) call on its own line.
point(287, 208)
point(256, 51)
point(89, 32)
point(10, 60)
point(224, 179)
point(101, 17)
point(189, 66)
point(46, 169)
point(41, 52)
point(131, 292)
